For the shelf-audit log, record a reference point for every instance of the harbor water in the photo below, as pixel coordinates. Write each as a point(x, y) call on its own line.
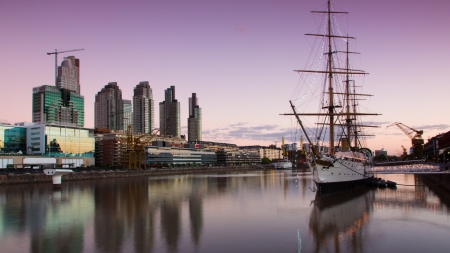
point(251, 211)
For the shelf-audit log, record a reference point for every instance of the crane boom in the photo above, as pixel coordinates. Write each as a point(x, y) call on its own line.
point(409, 131)
point(56, 60)
point(415, 136)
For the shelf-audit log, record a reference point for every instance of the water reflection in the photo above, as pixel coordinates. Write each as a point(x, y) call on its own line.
point(337, 221)
point(262, 211)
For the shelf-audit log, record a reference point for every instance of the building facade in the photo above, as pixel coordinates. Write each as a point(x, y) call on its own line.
point(273, 153)
point(127, 114)
point(169, 114)
point(108, 111)
point(60, 141)
point(143, 109)
point(69, 75)
point(57, 106)
point(194, 120)
point(12, 139)
point(159, 154)
point(240, 157)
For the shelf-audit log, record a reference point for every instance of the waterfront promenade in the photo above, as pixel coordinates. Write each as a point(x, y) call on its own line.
point(37, 176)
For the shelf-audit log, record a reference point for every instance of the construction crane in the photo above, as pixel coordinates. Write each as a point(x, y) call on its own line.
point(301, 145)
point(135, 154)
point(285, 153)
point(56, 60)
point(404, 154)
point(415, 136)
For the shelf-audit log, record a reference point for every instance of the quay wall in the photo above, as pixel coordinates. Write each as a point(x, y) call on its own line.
point(436, 180)
point(13, 178)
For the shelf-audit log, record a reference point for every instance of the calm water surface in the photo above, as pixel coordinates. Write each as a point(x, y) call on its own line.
point(258, 211)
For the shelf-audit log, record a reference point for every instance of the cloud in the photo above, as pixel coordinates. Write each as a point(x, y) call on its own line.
point(245, 131)
point(433, 127)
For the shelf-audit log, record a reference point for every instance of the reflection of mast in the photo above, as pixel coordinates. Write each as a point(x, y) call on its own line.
point(341, 215)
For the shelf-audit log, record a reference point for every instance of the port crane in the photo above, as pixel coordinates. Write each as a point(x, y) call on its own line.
point(135, 153)
point(56, 60)
point(415, 136)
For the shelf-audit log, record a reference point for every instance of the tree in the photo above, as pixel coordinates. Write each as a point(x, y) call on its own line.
point(380, 158)
point(265, 160)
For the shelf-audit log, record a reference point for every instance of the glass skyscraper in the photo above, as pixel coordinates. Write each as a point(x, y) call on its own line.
point(127, 114)
point(57, 106)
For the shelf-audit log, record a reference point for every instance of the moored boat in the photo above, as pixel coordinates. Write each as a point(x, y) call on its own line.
point(346, 165)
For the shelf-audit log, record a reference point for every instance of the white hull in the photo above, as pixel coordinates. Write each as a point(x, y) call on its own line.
point(283, 165)
point(346, 172)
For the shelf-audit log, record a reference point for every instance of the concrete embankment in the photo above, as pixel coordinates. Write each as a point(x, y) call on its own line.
point(13, 178)
point(437, 180)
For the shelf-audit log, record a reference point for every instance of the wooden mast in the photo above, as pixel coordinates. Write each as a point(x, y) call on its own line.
point(330, 82)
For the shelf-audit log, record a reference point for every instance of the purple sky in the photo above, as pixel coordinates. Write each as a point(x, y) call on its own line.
point(238, 57)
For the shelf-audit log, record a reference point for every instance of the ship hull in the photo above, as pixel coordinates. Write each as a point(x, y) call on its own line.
point(335, 187)
point(343, 175)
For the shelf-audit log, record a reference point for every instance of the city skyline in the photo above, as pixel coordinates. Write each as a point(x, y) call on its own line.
point(238, 51)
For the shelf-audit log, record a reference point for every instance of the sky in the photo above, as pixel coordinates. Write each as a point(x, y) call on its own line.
point(237, 55)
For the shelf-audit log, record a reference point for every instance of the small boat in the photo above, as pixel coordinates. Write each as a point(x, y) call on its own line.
point(391, 184)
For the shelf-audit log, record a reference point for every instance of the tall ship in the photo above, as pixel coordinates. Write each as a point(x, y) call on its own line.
point(338, 157)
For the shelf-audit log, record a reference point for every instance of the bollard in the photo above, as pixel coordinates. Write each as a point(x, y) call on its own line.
point(56, 176)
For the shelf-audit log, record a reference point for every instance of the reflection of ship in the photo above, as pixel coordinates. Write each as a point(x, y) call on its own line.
point(345, 165)
point(341, 215)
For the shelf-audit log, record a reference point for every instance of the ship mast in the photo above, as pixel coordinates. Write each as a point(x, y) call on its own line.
point(330, 82)
point(350, 116)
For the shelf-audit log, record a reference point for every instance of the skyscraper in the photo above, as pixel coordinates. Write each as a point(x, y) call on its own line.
point(57, 106)
point(143, 109)
point(108, 111)
point(69, 75)
point(194, 120)
point(169, 114)
point(127, 114)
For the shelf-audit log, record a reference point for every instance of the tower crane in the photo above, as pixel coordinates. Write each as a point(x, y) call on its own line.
point(135, 154)
point(415, 136)
point(56, 60)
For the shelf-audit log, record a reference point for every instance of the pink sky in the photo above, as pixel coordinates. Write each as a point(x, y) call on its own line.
point(238, 57)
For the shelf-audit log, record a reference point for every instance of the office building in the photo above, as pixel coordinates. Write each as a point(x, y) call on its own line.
point(194, 120)
point(108, 111)
point(69, 75)
point(143, 109)
point(60, 141)
point(57, 106)
point(127, 114)
point(12, 139)
point(169, 114)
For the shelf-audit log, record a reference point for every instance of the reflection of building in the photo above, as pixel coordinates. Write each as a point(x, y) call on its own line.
point(69, 75)
point(194, 120)
point(108, 111)
point(169, 114)
point(143, 109)
point(56, 141)
point(57, 106)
